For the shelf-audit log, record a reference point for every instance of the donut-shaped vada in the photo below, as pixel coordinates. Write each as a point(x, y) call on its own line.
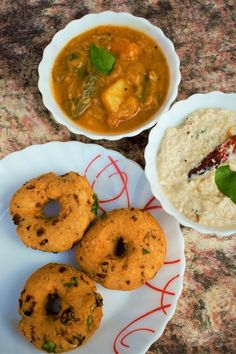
point(77, 206)
point(60, 308)
point(123, 249)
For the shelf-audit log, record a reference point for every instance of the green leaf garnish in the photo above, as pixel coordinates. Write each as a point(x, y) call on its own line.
point(225, 180)
point(89, 321)
point(49, 346)
point(95, 206)
point(145, 251)
point(73, 282)
point(101, 59)
point(73, 56)
point(79, 105)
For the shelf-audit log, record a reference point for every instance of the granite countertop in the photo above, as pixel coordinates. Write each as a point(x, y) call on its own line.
point(203, 32)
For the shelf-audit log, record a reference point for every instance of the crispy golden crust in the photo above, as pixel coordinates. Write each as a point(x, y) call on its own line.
point(60, 307)
point(59, 233)
point(123, 249)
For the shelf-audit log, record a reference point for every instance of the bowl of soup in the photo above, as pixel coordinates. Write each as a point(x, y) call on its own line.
point(109, 75)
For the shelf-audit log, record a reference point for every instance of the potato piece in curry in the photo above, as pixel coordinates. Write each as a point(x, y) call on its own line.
point(110, 79)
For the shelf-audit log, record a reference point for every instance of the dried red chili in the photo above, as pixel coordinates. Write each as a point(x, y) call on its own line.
point(216, 157)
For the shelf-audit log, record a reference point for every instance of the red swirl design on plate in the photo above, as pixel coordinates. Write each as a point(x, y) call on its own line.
point(116, 171)
point(175, 261)
point(162, 308)
point(149, 206)
point(164, 291)
point(135, 330)
point(90, 164)
point(132, 322)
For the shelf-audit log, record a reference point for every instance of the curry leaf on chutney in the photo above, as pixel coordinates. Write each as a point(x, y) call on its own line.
point(225, 180)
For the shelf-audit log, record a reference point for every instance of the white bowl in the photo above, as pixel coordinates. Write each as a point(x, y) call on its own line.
point(176, 115)
point(86, 23)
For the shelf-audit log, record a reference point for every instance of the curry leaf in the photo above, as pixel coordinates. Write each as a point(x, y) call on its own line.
point(225, 180)
point(95, 206)
point(73, 282)
point(145, 251)
point(49, 346)
point(101, 59)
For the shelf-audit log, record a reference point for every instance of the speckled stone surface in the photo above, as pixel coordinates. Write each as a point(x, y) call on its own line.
point(204, 35)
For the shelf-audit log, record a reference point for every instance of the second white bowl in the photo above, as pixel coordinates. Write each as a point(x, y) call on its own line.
point(176, 115)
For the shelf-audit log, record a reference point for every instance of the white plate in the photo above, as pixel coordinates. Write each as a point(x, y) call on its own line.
point(175, 116)
point(76, 27)
point(132, 320)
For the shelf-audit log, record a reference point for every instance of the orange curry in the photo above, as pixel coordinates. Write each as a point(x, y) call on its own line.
point(110, 79)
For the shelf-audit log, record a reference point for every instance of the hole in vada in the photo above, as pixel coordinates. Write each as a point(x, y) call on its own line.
point(51, 209)
point(120, 248)
point(53, 304)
